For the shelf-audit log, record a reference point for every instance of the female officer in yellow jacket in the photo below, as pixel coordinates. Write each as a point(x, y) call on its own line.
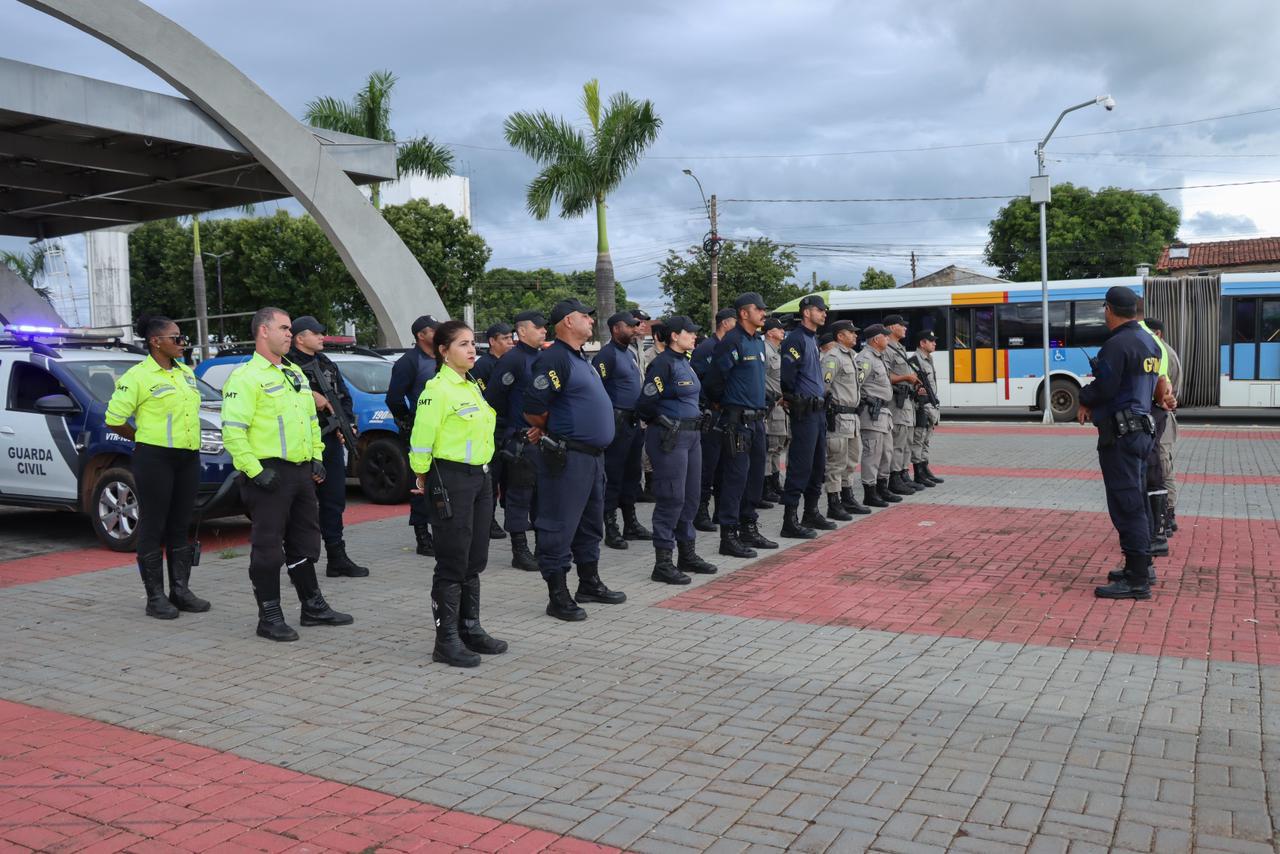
point(449, 449)
point(161, 396)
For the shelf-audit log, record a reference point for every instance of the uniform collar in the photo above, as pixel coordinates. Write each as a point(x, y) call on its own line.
point(451, 376)
point(525, 347)
point(154, 366)
point(260, 361)
point(577, 351)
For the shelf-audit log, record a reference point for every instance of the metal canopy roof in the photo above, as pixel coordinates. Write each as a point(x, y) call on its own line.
point(77, 154)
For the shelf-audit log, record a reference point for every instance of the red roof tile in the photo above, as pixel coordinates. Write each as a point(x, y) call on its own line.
point(1223, 253)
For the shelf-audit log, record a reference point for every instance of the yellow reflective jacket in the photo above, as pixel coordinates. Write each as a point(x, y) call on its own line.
point(453, 422)
point(268, 412)
point(165, 405)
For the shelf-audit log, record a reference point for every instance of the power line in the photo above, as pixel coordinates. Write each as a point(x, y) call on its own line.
point(967, 198)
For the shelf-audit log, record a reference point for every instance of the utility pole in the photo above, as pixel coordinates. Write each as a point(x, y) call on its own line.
point(222, 322)
point(913, 268)
point(715, 265)
point(815, 281)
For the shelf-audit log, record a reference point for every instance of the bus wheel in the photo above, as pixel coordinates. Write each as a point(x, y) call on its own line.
point(1064, 397)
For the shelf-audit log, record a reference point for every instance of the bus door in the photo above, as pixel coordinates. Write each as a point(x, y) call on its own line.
point(973, 356)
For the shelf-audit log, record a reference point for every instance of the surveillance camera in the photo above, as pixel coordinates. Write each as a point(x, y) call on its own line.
point(1107, 101)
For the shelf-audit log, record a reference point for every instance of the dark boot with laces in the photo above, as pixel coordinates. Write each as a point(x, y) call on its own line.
point(665, 571)
point(315, 610)
point(631, 527)
point(690, 561)
point(612, 536)
point(592, 589)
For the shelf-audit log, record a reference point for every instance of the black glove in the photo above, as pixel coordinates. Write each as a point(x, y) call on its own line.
point(318, 471)
point(266, 480)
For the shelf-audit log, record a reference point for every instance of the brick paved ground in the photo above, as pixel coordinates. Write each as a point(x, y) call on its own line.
point(957, 688)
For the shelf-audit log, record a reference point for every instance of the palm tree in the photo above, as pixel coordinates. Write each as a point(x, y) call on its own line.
point(28, 265)
point(369, 115)
point(580, 171)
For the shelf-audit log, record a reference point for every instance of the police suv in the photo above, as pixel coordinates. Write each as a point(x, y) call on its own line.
point(55, 448)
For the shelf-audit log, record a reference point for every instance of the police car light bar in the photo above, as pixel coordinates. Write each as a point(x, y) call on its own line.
point(27, 330)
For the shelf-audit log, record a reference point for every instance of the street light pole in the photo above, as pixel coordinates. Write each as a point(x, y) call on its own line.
point(1040, 195)
point(711, 246)
point(222, 323)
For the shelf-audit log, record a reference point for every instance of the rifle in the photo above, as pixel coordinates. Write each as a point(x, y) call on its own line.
point(931, 397)
point(335, 402)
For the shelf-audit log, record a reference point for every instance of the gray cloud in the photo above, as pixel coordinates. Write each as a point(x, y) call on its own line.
point(1207, 224)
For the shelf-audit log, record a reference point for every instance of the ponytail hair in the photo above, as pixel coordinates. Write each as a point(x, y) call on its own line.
point(446, 333)
point(151, 324)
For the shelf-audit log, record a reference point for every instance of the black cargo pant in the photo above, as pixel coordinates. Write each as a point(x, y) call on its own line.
point(286, 524)
point(462, 540)
point(167, 480)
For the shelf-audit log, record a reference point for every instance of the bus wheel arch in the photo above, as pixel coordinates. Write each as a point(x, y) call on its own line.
point(1064, 397)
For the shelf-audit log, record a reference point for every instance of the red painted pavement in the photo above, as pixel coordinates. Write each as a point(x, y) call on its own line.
point(1081, 431)
point(50, 565)
point(1025, 576)
point(1095, 474)
point(72, 784)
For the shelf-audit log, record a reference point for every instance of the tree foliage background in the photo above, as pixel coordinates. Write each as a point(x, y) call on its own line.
point(1090, 235)
point(877, 280)
point(755, 265)
point(503, 293)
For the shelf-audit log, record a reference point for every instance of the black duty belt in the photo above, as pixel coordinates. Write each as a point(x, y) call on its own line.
point(580, 447)
point(839, 409)
point(688, 423)
point(747, 414)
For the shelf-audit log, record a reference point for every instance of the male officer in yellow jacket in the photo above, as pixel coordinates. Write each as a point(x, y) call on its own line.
point(271, 430)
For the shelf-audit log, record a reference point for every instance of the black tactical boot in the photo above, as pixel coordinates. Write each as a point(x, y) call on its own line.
point(690, 561)
point(179, 577)
point(631, 527)
point(812, 518)
point(472, 633)
point(315, 611)
point(271, 624)
point(749, 535)
point(646, 490)
point(1170, 522)
point(1119, 574)
point(762, 503)
point(665, 571)
point(835, 508)
point(1159, 543)
point(521, 557)
point(426, 546)
point(929, 472)
point(560, 604)
point(772, 489)
point(702, 521)
point(592, 589)
point(151, 568)
point(885, 493)
point(905, 486)
point(791, 527)
point(339, 564)
point(495, 530)
point(920, 477)
point(871, 497)
point(446, 604)
point(612, 536)
point(731, 546)
point(851, 503)
point(897, 488)
point(1135, 584)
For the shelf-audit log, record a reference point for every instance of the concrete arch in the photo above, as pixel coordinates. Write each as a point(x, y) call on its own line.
point(396, 286)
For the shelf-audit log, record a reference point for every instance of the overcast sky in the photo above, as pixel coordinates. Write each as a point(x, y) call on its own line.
point(752, 95)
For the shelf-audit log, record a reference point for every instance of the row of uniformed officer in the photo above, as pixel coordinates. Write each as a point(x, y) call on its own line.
point(621, 375)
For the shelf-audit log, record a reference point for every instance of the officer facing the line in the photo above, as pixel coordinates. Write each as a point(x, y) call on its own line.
point(270, 428)
point(904, 382)
point(844, 445)
point(735, 385)
point(1118, 402)
point(572, 419)
point(618, 371)
point(670, 405)
point(803, 391)
point(700, 359)
point(874, 422)
point(409, 374)
point(499, 337)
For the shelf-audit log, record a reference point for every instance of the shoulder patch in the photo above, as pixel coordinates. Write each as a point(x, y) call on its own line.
point(508, 378)
point(604, 371)
point(540, 382)
point(555, 379)
point(657, 381)
point(795, 354)
point(650, 389)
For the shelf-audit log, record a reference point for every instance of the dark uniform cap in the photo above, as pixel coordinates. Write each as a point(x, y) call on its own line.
point(894, 320)
point(825, 338)
point(533, 316)
point(624, 317)
point(566, 307)
point(771, 323)
point(306, 323)
point(725, 314)
point(873, 330)
point(1122, 297)
point(640, 314)
point(843, 326)
point(680, 323)
point(424, 322)
point(749, 298)
point(927, 335)
point(497, 330)
point(813, 301)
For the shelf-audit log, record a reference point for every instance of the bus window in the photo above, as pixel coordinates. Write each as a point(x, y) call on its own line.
point(1020, 325)
point(984, 342)
point(1244, 329)
point(960, 338)
point(1089, 328)
point(1269, 341)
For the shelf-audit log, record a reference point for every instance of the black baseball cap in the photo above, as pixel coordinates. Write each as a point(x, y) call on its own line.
point(825, 338)
point(424, 322)
point(725, 314)
point(772, 323)
point(927, 335)
point(1122, 297)
point(873, 330)
point(307, 323)
point(533, 316)
point(843, 326)
point(894, 320)
point(626, 317)
point(566, 307)
point(640, 314)
point(680, 323)
point(750, 298)
point(813, 301)
point(497, 330)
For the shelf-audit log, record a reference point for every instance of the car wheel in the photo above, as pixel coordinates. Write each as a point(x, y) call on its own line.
point(113, 510)
point(384, 472)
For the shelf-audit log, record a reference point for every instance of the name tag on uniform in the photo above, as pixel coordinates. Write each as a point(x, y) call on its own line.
point(684, 382)
point(749, 358)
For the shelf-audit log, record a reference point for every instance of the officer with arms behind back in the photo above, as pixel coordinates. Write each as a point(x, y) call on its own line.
point(874, 422)
point(567, 406)
point(616, 364)
point(409, 374)
point(161, 396)
point(451, 444)
point(670, 405)
point(804, 393)
point(500, 342)
point(270, 428)
point(844, 444)
point(1118, 402)
point(329, 390)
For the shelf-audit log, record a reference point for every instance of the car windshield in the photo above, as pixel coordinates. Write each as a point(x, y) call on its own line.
point(100, 378)
point(369, 376)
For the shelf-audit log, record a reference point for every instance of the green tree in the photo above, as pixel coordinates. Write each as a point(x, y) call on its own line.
point(449, 251)
point(29, 266)
point(503, 293)
point(368, 114)
point(580, 170)
point(1090, 235)
point(755, 265)
point(877, 280)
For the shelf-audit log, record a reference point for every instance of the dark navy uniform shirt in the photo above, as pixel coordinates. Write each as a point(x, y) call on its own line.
point(671, 388)
point(570, 392)
point(738, 370)
point(701, 357)
point(508, 384)
point(483, 369)
point(619, 373)
point(801, 364)
point(408, 375)
point(1124, 374)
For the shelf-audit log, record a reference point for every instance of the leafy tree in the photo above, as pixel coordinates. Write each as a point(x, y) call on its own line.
point(449, 251)
point(755, 265)
point(368, 114)
point(503, 293)
point(1090, 235)
point(29, 266)
point(580, 170)
point(877, 280)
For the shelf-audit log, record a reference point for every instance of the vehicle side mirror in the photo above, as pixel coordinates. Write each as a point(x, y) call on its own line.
point(57, 404)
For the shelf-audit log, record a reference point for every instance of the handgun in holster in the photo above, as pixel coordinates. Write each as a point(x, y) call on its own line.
point(554, 454)
point(830, 407)
point(519, 469)
point(901, 394)
point(706, 421)
point(739, 442)
point(670, 432)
